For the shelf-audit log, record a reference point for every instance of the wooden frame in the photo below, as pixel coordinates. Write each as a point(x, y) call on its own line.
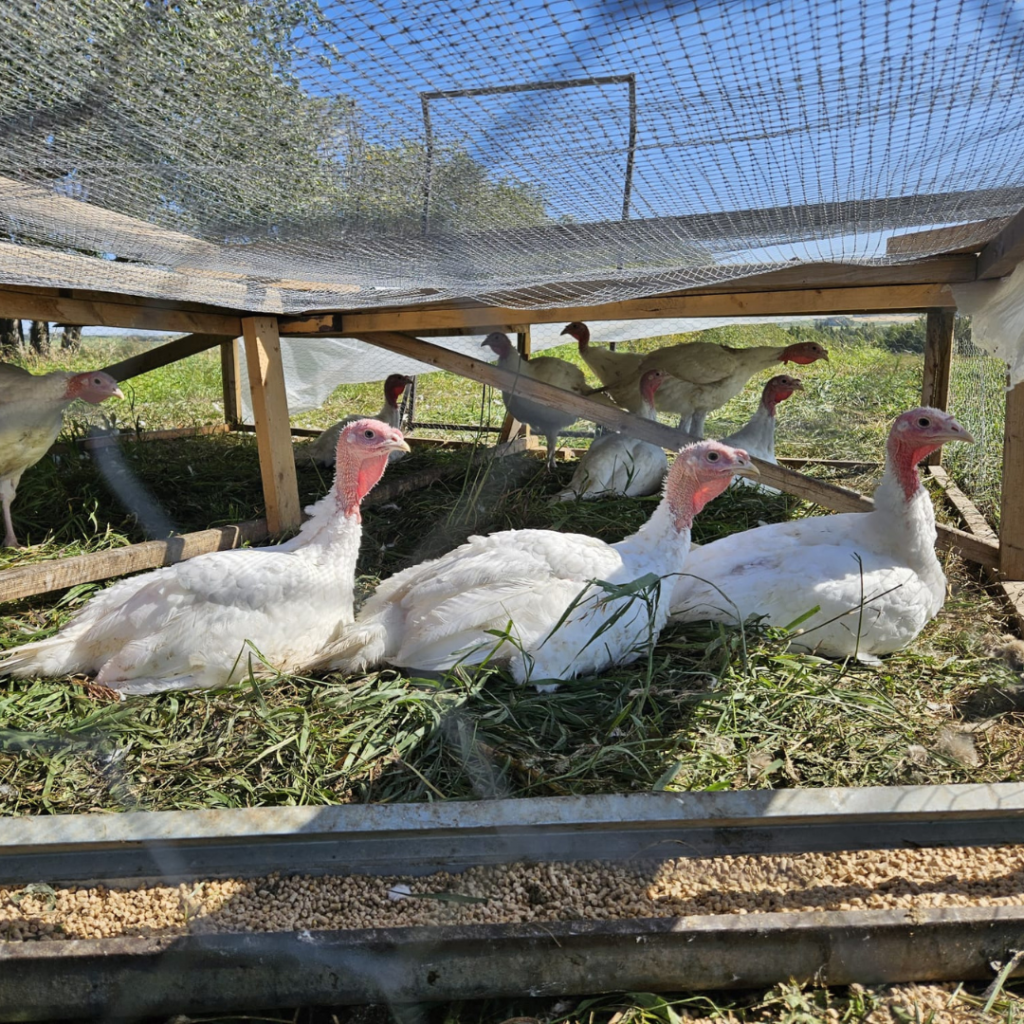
point(914, 285)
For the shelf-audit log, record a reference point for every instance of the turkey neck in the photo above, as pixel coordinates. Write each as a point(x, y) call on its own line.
point(353, 481)
point(902, 500)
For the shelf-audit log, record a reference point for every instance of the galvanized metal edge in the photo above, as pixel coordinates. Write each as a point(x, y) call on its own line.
point(122, 978)
point(419, 838)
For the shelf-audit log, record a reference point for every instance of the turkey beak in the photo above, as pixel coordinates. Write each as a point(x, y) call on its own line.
point(798, 385)
point(117, 393)
point(954, 432)
point(746, 469)
point(397, 444)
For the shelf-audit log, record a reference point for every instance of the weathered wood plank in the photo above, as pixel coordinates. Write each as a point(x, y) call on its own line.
point(162, 355)
point(938, 358)
point(957, 239)
point(840, 499)
point(880, 298)
point(231, 382)
point(30, 305)
point(273, 431)
point(1011, 591)
point(100, 565)
point(1005, 251)
point(1011, 517)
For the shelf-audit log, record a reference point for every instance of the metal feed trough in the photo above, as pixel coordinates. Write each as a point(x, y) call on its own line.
point(125, 977)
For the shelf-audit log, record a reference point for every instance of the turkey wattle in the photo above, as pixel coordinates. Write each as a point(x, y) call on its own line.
point(620, 464)
point(207, 621)
point(538, 584)
point(322, 450)
point(873, 576)
point(31, 413)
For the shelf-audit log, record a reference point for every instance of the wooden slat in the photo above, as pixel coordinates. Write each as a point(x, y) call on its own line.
point(960, 238)
point(100, 565)
point(162, 355)
point(938, 358)
point(882, 298)
point(1011, 591)
point(31, 305)
point(840, 499)
point(1011, 518)
point(273, 432)
point(1004, 252)
point(231, 382)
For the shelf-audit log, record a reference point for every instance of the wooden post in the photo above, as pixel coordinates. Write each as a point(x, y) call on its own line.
point(511, 427)
point(231, 382)
point(938, 358)
point(1011, 519)
point(273, 432)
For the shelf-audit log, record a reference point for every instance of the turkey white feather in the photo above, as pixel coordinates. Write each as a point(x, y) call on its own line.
point(620, 464)
point(207, 621)
point(867, 583)
point(548, 604)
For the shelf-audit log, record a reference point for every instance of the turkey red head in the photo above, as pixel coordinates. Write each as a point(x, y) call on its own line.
point(360, 460)
point(649, 384)
point(580, 331)
point(394, 386)
point(804, 352)
point(778, 389)
point(701, 472)
point(499, 344)
point(93, 387)
point(916, 434)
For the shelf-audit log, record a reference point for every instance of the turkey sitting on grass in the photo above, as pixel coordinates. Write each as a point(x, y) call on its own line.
point(31, 414)
point(867, 583)
point(207, 621)
point(322, 450)
point(620, 464)
point(757, 435)
point(551, 605)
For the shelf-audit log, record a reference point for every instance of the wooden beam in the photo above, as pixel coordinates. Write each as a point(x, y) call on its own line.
point(1004, 252)
point(840, 499)
point(882, 298)
point(60, 573)
point(1011, 591)
point(273, 432)
point(955, 239)
point(28, 305)
point(1011, 517)
point(161, 355)
point(231, 382)
point(938, 358)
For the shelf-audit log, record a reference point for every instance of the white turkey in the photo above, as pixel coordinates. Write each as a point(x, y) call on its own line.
point(322, 450)
point(203, 622)
point(543, 418)
point(757, 435)
point(608, 365)
point(872, 576)
point(31, 413)
point(528, 597)
point(620, 464)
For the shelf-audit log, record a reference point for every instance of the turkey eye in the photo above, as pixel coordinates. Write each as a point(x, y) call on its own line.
point(712, 456)
point(924, 422)
point(368, 433)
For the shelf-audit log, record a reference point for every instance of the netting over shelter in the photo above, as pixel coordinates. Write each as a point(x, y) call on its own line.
point(284, 156)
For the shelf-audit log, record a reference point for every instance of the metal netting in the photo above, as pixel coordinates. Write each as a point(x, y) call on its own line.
point(288, 155)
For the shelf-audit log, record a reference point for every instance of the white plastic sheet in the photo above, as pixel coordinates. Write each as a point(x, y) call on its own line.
point(996, 309)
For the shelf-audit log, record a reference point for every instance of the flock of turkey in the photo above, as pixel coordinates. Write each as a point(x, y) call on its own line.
point(549, 605)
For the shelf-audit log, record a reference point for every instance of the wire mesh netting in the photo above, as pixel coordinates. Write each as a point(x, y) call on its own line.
point(284, 155)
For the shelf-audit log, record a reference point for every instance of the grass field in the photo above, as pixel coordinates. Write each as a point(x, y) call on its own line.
point(716, 709)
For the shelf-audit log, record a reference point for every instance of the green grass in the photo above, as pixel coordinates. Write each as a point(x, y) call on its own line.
point(717, 709)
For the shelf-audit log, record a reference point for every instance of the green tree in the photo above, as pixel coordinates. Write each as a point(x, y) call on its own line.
point(905, 337)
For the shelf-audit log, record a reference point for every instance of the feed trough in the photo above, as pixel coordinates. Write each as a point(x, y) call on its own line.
point(406, 903)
